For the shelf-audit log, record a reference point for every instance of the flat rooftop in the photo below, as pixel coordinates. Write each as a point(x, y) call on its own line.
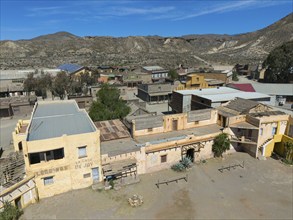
point(152, 68)
point(127, 145)
point(231, 96)
point(221, 94)
point(22, 74)
point(119, 146)
point(180, 134)
point(274, 88)
point(208, 91)
point(55, 118)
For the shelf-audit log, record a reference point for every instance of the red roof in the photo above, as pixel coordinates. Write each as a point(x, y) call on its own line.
point(246, 87)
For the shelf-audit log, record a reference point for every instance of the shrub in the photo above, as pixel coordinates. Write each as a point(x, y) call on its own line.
point(186, 162)
point(178, 167)
point(111, 183)
point(10, 212)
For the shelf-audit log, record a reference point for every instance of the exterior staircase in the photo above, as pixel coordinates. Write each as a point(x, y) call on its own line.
point(263, 146)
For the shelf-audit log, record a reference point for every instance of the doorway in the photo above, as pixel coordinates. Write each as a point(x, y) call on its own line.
point(20, 146)
point(174, 125)
point(18, 202)
point(190, 154)
point(95, 174)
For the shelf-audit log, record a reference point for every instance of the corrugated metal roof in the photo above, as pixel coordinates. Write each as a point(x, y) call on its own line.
point(69, 67)
point(112, 129)
point(56, 118)
point(246, 87)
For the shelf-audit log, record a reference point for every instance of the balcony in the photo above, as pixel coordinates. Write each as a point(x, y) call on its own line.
point(243, 139)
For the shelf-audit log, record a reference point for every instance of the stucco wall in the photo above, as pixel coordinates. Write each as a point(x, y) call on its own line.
point(161, 124)
point(25, 190)
point(68, 172)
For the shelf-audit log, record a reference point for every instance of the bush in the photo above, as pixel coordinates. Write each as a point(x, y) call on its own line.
point(10, 212)
point(178, 167)
point(111, 183)
point(185, 163)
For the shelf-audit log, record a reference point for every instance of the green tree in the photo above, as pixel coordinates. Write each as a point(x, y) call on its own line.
point(221, 144)
point(235, 76)
point(87, 79)
point(10, 212)
point(289, 151)
point(109, 105)
point(279, 64)
point(61, 84)
point(30, 83)
point(43, 83)
point(173, 74)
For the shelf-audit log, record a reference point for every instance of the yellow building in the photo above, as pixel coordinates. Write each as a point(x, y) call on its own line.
point(254, 127)
point(159, 141)
point(61, 148)
point(193, 81)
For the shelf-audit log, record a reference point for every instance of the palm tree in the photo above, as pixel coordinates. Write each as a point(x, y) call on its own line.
point(221, 144)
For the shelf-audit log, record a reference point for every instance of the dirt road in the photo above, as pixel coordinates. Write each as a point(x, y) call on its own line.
point(260, 190)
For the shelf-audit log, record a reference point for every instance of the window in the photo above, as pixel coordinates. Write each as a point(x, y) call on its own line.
point(82, 152)
point(46, 156)
point(164, 158)
point(48, 180)
point(261, 131)
point(150, 129)
point(274, 130)
point(87, 175)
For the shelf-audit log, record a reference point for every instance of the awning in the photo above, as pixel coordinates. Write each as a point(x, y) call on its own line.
point(118, 167)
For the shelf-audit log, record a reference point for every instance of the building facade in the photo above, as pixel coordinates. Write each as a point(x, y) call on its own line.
point(62, 148)
point(157, 92)
point(159, 74)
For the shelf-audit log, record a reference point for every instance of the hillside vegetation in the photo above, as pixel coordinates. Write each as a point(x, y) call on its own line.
point(279, 64)
point(62, 47)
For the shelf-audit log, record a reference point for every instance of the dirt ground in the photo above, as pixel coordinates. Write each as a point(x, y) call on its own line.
point(260, 190)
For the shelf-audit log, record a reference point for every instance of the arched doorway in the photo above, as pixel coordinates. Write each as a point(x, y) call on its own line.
point(20, 146)
point(190, 154)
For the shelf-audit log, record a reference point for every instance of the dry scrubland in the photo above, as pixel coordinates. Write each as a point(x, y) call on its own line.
point(262, 190)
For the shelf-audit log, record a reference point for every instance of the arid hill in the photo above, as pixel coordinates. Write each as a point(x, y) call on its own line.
point(62, 47)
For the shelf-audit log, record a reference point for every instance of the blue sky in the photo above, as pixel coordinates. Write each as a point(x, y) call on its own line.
point(28, 19)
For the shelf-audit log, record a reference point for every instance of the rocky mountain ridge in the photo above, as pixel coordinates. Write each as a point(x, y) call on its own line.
point(62, 47)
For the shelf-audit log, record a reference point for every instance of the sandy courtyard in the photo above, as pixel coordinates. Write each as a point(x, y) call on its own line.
point(260, 190)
